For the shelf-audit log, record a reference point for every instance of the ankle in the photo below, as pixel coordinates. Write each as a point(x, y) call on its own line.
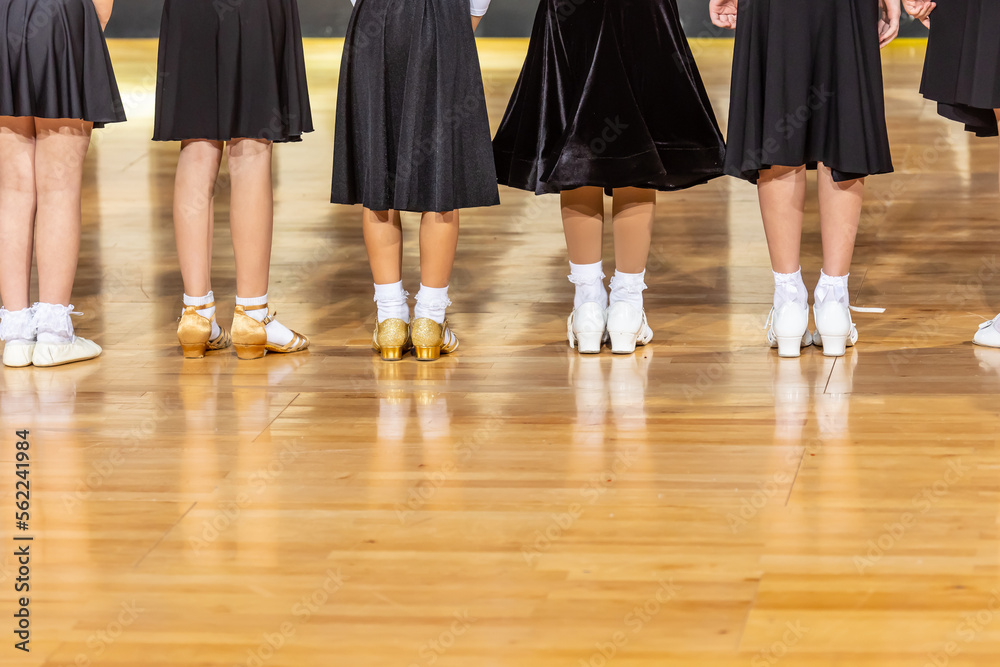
point(53, 324)
point(789, 288)
point(589, 282)
point(205, 306)
point(17, 326)
point(432, 303)
point(832, 288)
point(628, 288)
point(391, 300)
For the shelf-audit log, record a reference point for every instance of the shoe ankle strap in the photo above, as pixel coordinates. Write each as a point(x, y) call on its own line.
point(260, 307)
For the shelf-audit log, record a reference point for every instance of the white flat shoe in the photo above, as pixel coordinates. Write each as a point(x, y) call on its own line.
point(18, 354)
point(586, 328)
point(627, 327)
point(57, 354)
point(835, 330)
point(988, 336)
point(788, 329)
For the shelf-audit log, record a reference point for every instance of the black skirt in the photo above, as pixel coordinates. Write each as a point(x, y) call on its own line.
point(609, 96)
point(412, 129)
point(54, 62)
point(962, 69)
point(231, 70)
point(807, 88)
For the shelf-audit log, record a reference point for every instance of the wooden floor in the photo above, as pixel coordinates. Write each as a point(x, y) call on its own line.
point(698, 504)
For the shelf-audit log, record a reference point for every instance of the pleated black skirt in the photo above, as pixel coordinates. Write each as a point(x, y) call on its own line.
point(609, 96)
point(54, 62)
point(232, 69)
point(962, 69)
point(807, 88)
point(412, 129)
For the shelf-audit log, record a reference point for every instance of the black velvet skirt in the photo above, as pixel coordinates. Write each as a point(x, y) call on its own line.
point(609, 96)
point(807, 88)
point(54, 62)
point(412, 129)
point(962, 69)
point(231, 70)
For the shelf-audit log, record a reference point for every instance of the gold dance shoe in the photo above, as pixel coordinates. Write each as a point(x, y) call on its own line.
point(250, 336)
point(194, 332)
point(431, 340)
point(391, 338)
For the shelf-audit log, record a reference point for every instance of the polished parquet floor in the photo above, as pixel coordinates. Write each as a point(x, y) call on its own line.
point(700, 503)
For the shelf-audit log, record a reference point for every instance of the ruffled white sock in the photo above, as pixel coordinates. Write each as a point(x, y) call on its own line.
point(277, 332)
point(589, 281)
point(628, 287)
point(788, 287)
point(207, 313)
point(17, 326)
point(53, 324)
point(832, 288)
point(391, 301)
point(432, 302)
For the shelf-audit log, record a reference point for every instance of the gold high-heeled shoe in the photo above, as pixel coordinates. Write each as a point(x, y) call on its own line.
point(429, 338)
point(194, 332)
point(250, 336)
point(391, 338)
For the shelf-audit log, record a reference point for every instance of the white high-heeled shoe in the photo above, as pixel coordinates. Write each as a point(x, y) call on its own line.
point(627, 327)
point(835, 330)
point(788, 329)
point(988, 336)
point(586, 328)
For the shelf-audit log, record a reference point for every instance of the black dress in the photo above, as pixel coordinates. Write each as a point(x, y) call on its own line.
point(807, 88)
point(609, 96)
point(412, 129)
point(962, 69)
point(54, 62)
point(231, 70)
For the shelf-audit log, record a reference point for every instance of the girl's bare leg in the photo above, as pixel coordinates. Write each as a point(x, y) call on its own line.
point(634, 210)
point(583, 224)
point(383, 232)
point(840, 215)
point(251, 214)
point(782, 193)
point(438, 245)
point(17, 210)
point(194, 223)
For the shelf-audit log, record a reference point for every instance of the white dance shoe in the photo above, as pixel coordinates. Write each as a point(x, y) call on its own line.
point(57, 354)
point(788, 329)
point(627, 327)
point(988, 336)
point(18, 329)
point(835, 330)
point(586, 328)
point(18, 354)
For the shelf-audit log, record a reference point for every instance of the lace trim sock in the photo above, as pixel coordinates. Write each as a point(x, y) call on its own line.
point(207, 313)
point(832, 288)
point(391, 301)
point(432, 302)
point(277, 333)
point(589, 281)
point(53, 323)
point(789, 288)
point(17, 326)
point(628, 287)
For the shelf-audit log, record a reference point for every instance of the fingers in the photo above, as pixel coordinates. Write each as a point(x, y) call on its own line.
point(727, 21)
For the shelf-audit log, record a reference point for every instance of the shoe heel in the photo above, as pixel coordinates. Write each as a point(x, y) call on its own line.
point(834, 346)
point(589, 343)
point(622, 342)
point(428, 353)
point(194, 350)
point(248, 352)
point(789, 347)
point(394, 353)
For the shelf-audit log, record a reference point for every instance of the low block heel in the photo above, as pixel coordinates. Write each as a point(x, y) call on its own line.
point(194, 350)
point(392, 353)
point(789, 347)
point(589, 343)
point(834, 346)
point(249, 352)
point(427, 353)
point(622, 342)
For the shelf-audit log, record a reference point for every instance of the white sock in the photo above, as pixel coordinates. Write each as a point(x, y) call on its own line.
point(391, 302)
point(432, 302)
point(52, 321)
point(788, 287)
point(17, 326)
point(832, 288)
point(277, 332)
point(207, 313)
point(628, 287)
point(589, 281)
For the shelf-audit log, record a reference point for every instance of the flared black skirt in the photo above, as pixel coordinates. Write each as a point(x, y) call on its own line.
point(412, 129)
point(962, 69)
point(54, 62)
point(609, 96)
point(231, 70)
point(807, 88)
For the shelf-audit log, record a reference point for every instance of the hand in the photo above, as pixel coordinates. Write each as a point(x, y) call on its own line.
point(920, 10)
point(888, 23)
point(723, 13)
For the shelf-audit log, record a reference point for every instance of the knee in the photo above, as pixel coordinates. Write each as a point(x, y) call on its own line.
point(249, 148)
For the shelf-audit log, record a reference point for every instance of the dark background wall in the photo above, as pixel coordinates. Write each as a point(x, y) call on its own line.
point(328, 18)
